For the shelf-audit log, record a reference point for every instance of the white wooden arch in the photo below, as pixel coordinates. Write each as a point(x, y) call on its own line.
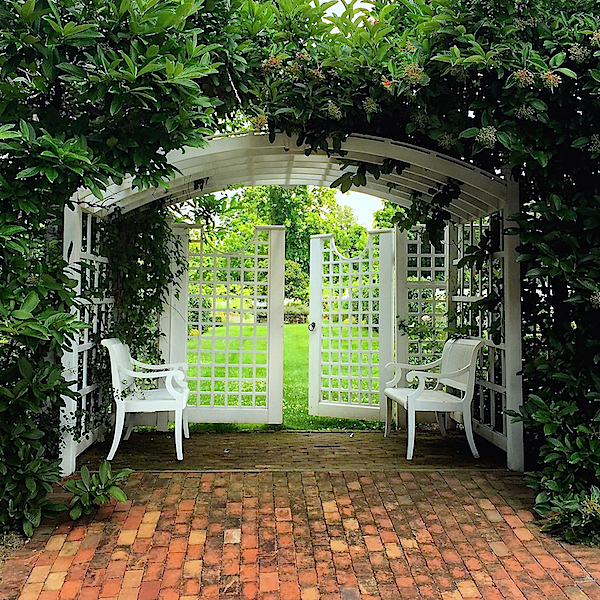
point(249, 159)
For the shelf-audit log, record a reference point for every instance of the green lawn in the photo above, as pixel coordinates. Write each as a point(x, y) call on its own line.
point(295, 384)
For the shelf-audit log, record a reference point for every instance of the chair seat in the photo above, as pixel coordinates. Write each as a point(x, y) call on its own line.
point(151, 401)
point(435, 399)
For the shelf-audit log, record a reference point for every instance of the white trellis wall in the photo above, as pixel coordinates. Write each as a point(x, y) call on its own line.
point(87, 267)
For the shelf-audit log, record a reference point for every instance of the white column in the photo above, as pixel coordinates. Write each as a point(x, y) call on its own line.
point(401, 313)
point(513, 336)
point(387, 311)
point(275, 324)
point(173, 326)
point(72, 235)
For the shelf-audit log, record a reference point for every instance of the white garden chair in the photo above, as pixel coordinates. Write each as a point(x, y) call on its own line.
point(129, 398)
point(456, 369)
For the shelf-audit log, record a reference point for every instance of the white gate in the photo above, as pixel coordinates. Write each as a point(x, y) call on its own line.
point(230, 318)
point(352, 327)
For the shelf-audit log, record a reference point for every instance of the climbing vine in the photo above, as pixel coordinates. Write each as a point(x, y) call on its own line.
point(145, 260)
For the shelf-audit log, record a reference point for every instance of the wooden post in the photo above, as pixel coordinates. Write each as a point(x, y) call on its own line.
point(387, 314)
point(275, 324)
point(316, 317)
point(515, 455)
point(72, 236)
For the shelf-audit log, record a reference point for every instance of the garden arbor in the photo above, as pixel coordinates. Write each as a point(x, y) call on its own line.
point(428, 280)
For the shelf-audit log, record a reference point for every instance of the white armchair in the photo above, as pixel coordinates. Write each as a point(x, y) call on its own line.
point(456, 370)
point(129, 398)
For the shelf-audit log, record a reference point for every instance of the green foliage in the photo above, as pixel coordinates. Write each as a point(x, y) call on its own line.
point(144, 259)
point(90, 92)
point(92, 490)
point(303, 210)
point(433, 214)
point(296, 282)
point(93, 92)
point(35, 324)
point(575, 518)
point(493, 84)
point(359, 177)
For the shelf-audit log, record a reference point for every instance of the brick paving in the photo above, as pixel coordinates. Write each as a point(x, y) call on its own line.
point(337, 534)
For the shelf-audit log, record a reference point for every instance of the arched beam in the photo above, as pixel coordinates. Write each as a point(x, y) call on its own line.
point(249, 159)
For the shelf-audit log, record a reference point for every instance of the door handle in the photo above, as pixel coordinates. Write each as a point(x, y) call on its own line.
point(312, 326)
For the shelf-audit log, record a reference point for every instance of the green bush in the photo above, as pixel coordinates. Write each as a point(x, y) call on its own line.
point(574, 518)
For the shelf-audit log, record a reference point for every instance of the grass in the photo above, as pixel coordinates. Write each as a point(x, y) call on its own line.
point(295, 384)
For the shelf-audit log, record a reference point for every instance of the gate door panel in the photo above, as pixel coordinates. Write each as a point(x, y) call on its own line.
point(352, 327)
point(235, 331)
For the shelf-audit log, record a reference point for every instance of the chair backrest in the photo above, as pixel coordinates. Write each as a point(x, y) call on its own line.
point(457, 354)
point(120, 358)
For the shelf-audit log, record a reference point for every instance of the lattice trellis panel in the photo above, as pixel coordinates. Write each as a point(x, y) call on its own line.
point(351, 339)
point(422, 298)
point(480, 310)
point(83, 363)
point(235, 330)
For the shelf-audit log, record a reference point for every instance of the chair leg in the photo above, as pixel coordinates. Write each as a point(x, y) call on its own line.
point(440, 416)
point(178, 434)
point(186, 425)
point(388, 417)
point(469, 431)
point(411, 422)
point(130, 421)
point(119, 422)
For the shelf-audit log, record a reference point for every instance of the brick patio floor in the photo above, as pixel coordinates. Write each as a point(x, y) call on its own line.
point(337, 534)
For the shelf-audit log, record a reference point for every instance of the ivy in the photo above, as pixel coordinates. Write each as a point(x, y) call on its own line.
point(145, 259)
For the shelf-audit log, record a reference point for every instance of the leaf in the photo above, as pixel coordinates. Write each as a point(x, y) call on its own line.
point(22, 315)
point(30, 484)
point(27, 528)
point(469, 133)
point(567, 72)
point(115, 105)
point(25, 369)
point(104, 472)
point(536, 272)
point(28, 172)
point(76, 511)
point(85, 476)
point(580, 142)
point(117, 493)
point(558, 59)
point(504, 139)
point(30, 302)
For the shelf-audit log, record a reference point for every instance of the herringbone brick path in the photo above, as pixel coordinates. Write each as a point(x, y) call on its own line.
point(306, 535)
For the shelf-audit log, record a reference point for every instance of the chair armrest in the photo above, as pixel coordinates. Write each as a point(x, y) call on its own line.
point(172, 378)
point(422, 377)
point(401, 367)
point(173, 373)
point(170, 366)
